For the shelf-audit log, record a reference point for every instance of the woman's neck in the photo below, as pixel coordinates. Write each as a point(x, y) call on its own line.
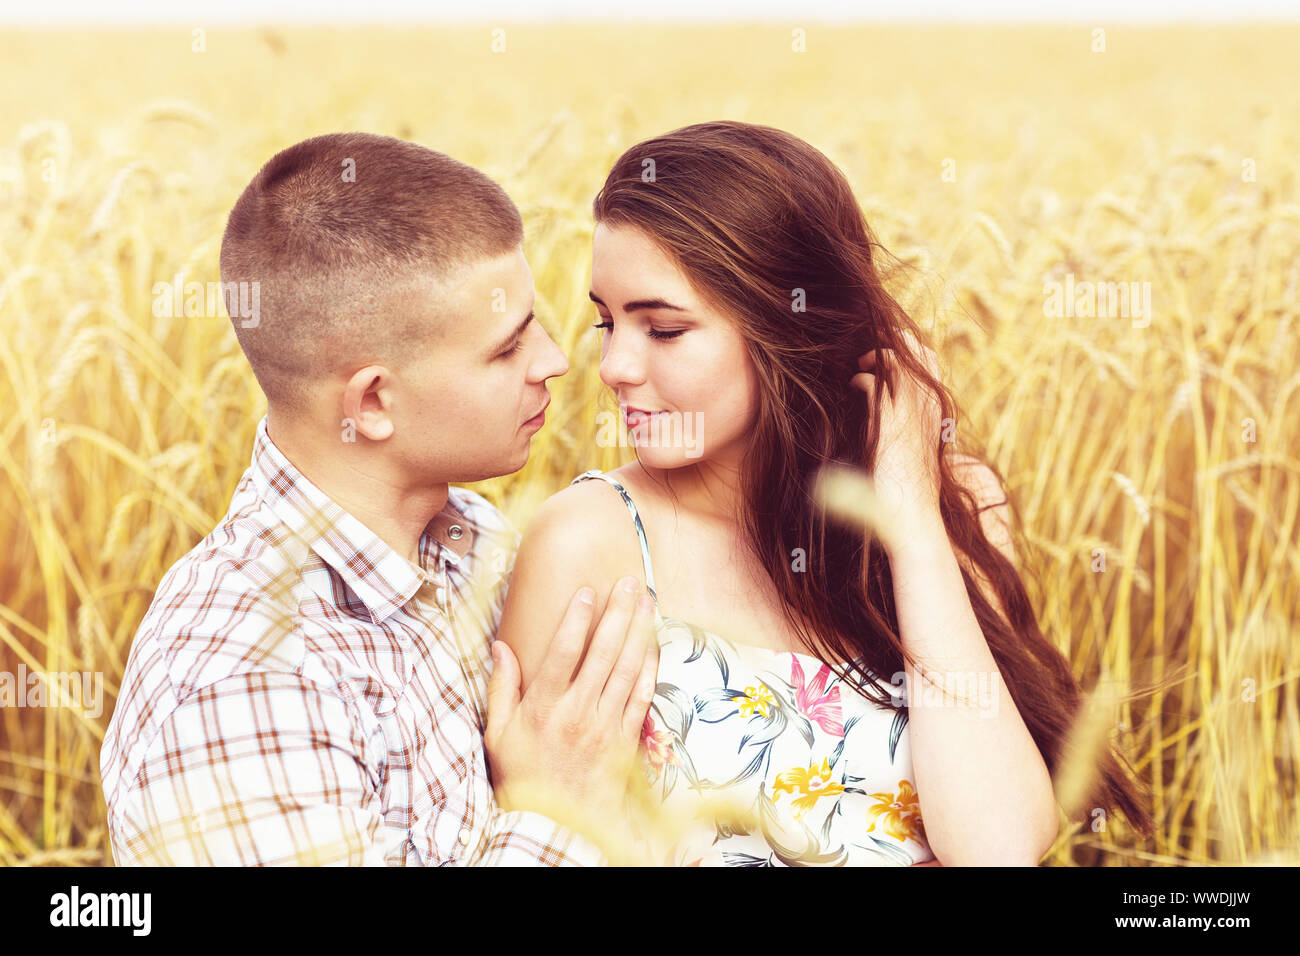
point(709, 490)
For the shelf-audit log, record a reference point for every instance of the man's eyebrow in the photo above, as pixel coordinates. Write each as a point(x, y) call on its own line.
point(505, 343)
point(638, 304)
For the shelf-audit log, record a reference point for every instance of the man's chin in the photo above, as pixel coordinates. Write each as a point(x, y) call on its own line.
point(522, 458)
point(506, 466)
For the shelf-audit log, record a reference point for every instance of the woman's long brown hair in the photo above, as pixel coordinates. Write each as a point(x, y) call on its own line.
point(757, 218)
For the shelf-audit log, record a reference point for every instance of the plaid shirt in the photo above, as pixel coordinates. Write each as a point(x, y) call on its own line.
point(298, 692)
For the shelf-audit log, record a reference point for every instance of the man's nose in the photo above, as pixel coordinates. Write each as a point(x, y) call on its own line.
point(552, 361)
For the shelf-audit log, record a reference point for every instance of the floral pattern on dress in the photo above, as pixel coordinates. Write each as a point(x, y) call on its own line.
point(900, 814)
point(823, 770)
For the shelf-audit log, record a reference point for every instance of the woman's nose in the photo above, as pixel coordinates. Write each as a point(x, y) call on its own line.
point(621, 365)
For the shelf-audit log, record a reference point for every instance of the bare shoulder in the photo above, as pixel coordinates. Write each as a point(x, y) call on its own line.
point(581, 536)
point(589, 522)
point(980, 478)
point(990, 500)
point(994, 515)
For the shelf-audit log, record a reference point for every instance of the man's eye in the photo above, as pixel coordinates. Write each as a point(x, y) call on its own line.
point(511, 351)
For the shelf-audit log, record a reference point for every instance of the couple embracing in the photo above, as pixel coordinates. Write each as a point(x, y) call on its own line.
point(365, 664)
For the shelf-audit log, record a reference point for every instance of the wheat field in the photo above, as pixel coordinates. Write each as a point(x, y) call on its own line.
point(1153, 464)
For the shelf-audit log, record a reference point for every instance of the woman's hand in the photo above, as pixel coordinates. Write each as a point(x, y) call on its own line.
point(906, 472)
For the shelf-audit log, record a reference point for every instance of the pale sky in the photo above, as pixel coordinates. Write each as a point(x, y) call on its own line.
point(136, 12)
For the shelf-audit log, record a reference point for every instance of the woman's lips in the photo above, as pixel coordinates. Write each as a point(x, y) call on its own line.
point(636, 416)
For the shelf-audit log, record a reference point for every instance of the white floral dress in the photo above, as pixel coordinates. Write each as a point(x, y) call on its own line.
point(813, 772)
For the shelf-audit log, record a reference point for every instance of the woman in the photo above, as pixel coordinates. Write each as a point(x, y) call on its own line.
point(749, 341)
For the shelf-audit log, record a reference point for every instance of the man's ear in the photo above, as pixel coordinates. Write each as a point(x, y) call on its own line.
point(368, 402)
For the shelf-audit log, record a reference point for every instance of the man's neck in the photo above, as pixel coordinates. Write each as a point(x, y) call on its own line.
point(356, 476)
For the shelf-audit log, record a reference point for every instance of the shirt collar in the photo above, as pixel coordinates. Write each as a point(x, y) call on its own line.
point(383, 579)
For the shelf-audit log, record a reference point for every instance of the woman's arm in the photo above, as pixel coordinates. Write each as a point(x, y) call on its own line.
point(985, 792)
point(572, 542)
point(987, 795)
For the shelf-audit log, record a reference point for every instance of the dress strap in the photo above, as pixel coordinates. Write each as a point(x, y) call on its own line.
point(636, 521)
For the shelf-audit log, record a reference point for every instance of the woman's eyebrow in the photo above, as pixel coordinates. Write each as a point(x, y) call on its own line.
point(638, 304)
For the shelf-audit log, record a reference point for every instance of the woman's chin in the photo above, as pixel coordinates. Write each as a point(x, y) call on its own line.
point(666, 459)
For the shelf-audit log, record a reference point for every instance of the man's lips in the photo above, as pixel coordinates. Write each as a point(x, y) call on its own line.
point(540, 412)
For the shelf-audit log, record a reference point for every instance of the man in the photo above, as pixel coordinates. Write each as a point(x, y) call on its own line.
point(311, 682)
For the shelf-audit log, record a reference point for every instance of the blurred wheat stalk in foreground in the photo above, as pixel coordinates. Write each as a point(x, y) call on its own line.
point(1153, 468)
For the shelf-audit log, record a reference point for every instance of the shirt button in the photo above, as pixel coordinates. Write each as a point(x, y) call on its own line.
point(464, 836)
point(455, 532)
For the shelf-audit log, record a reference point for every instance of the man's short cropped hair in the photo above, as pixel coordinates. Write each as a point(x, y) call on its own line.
point(331, 225)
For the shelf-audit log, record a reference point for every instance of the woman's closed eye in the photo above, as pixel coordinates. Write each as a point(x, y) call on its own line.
point(653, 333)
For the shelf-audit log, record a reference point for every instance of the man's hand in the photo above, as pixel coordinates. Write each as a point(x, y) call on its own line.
point(567, 749)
